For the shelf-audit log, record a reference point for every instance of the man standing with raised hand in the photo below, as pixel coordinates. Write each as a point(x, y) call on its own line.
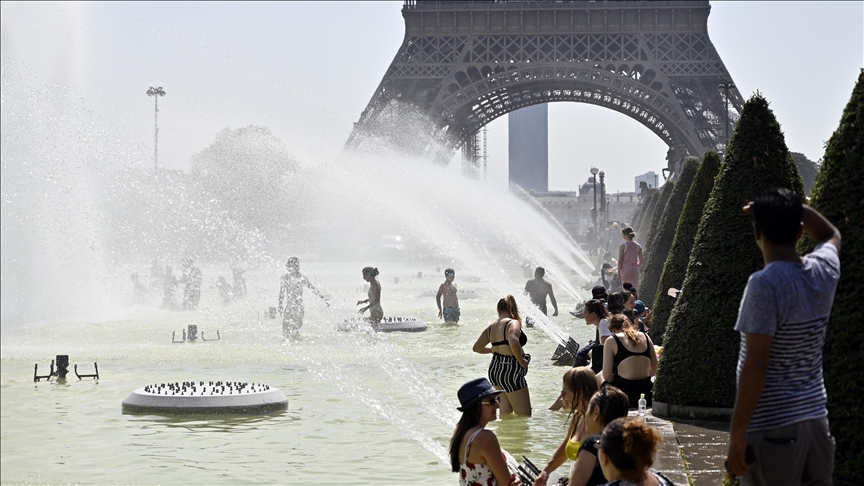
point(291, 293)
point(538, 289)
point(779, 432)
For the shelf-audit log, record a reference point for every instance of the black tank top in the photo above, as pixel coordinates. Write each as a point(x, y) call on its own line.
point(523, 339)
point(624, 353)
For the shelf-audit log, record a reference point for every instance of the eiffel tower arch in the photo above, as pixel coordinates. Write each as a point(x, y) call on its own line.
point(463, 64)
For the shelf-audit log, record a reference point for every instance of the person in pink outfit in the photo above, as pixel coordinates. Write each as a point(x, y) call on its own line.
point(629, 258)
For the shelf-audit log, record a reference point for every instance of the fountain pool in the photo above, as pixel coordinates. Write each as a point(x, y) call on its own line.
point(364, 407)
point(81, 211)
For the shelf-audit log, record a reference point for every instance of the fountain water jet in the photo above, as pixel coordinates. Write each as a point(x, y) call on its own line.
point(481, 231)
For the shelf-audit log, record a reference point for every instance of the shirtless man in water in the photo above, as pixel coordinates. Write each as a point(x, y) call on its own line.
point(448, 290)
point(538, 289)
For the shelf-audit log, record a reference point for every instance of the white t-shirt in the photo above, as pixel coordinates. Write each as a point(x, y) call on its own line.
point(604, 329)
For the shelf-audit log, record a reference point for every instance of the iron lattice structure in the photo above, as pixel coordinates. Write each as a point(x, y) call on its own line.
point(463, 64)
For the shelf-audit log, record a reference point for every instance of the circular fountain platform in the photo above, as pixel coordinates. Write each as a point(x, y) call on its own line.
point(205, 397)
point(388, 324)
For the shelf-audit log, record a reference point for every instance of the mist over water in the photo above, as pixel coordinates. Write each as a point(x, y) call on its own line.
point(80, 205)
point(53, 152)
point(82, 209)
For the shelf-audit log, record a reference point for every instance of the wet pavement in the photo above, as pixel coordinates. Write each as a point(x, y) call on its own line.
point(668, 460)
point(691, 452)
point(703, 446)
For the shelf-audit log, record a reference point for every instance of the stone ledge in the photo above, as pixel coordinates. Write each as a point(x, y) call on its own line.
point(693, 413)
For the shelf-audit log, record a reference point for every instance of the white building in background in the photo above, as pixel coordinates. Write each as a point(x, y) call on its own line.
point(573, 211)
point(650, 178)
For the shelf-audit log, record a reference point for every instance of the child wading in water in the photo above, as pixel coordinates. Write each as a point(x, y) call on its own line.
point(450, 312)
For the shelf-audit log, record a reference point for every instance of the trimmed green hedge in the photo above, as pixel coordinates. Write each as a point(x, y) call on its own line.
point(647, 214)
point(837, 195)
point(808, 170)
point(654, 224)
point(701, 347)
point(641, 211)
point(660, 240)
point(675, 266)
point(633, 218)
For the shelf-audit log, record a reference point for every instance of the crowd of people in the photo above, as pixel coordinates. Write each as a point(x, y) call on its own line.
point(772, 423)
point(779, 432)
point(165, 283)
point(607, 446)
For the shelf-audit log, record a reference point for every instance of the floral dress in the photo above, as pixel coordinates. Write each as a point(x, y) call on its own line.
point(471, 474)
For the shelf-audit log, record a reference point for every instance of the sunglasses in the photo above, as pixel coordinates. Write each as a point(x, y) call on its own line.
point(494, 401)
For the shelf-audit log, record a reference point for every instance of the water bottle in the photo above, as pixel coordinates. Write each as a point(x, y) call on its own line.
point(642, 405)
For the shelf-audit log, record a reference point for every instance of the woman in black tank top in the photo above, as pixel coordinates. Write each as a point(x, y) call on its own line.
point(509, 362)
point(616, 352)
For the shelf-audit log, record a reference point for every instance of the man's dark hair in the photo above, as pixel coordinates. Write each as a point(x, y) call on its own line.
point(449, 271)
point(616, 301)
point(540, 271)
point(777, 213)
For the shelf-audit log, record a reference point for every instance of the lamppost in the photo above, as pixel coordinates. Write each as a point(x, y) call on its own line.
point(603, 198)
point(156, 93)
point(726, 87)
point(594, 171)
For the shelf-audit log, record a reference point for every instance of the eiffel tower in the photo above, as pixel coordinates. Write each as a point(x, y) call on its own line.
point(463, 64)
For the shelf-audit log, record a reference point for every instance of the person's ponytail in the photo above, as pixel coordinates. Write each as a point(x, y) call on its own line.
point(508, 304)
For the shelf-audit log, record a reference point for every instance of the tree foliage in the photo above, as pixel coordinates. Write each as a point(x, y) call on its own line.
point(647, 203)
point(651, 228)
point(837, 196)
point(249, 171)
point(675, 266)
point(660, 239)
point(637, 213)
point(169, 216)
point(646, 214)
point(808, 170)
point(701, 347)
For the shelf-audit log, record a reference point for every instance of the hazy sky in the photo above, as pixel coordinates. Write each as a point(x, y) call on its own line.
point(306, 70)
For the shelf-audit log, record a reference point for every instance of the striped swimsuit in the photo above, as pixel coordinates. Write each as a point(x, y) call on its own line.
point(504, 370)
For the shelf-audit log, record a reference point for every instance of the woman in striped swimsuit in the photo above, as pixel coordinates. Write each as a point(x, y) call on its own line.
point(509, 365)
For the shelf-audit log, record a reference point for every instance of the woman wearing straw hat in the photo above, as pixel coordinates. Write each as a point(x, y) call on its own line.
point(474, 451)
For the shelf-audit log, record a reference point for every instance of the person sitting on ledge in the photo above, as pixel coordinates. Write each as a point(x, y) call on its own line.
point(626, 453)
point(580, 385)
point(630, 288)
point(629, 360)
point(474, 451)
point(605, 406)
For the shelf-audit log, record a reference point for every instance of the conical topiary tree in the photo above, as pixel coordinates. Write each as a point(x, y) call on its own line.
point(660, 240)
point(647, 214)
point(676, 263)
point(642, 210)
point(651, 227)
point(701, 347)
point(837, 196)
point(635, 216)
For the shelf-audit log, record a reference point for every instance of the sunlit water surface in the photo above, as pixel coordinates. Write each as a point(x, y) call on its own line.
point(364, 408)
